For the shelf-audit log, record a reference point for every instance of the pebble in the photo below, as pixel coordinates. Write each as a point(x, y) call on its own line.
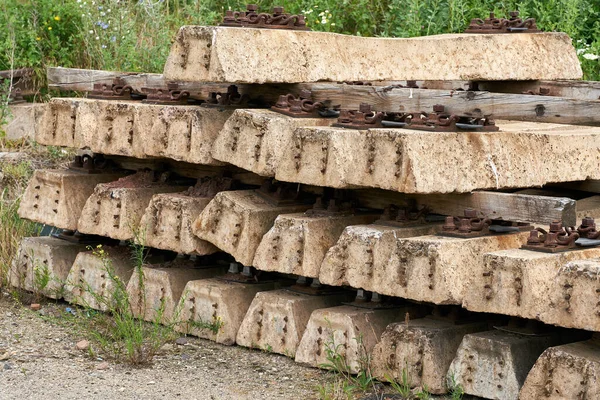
point(82, 345)
point(102, 366)
point(35, 307)
point(181, 341)
point(7, 366)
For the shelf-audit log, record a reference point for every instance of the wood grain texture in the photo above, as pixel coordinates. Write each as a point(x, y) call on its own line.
point(509, 206)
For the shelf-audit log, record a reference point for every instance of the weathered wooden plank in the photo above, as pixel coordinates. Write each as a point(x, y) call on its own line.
point(509, 206)
point(83, 80)
point(582, 90)
point(383, 96)
point(477, 103)
point(16, 73)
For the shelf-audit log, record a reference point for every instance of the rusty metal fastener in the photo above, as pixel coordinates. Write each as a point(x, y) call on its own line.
point(466, 226)
point(556, 239)
point(91, 164)
point(501, 25)
point(302, 106)
point(587, 229)
point(118, 90)
point(363, 118)
point(441, 121)
point(230, 99)
point(171, 95)
point(252, 19)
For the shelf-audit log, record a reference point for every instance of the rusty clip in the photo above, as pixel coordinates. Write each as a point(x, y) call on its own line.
point(587, 229)
point(363, 118)
point(231, 99)
point(441, 121)
point(90, 164)
point(405, 216)
point(303, 106)
point(466, 226)
point(252, 19)
point(502, 25)
point(118, 90)
point(542, 91)
point(335, 206)
point(555, 240)
point(172, 95)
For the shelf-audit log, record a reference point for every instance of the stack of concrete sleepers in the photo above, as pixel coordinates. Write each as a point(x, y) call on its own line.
point(303, 228)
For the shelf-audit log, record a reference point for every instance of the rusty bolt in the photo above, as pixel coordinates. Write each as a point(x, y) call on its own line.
point(470, 213)
point(533, 239)
point(252, 8)
point(555, 226)
point(277, 10)
point(464, 225)
point(364, 108)
point(449, 225)
point(282, 102)
point(514, 14)
point(439, 108)
point(588, 222)
point(551, 239)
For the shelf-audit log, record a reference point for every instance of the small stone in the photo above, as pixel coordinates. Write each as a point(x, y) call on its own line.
point(35, 307)
point(121, 389)
point(102, 366)
point(181, 341)
point(7, 366)
point(151, 383)
point(82, 345)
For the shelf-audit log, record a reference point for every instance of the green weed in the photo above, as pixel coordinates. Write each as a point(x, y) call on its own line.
point(137, 35)
point(456, 390)
point(117, 333)
point(12, 230)
point(213, 326)
point(345, 385)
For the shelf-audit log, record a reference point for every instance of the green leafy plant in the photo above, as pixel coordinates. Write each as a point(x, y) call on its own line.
point(137, 35)
point(118, 333)
point(12, 230)
point(456, 390)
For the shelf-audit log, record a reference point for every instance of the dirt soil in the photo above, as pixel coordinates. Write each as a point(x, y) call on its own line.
point(39, 360)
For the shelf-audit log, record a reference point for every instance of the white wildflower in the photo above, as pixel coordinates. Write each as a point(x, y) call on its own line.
point(589, 56)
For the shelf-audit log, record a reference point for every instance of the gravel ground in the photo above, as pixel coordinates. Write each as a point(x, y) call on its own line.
point(39, 360)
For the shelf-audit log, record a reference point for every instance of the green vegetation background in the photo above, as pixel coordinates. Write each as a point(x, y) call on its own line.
point(135, 35)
